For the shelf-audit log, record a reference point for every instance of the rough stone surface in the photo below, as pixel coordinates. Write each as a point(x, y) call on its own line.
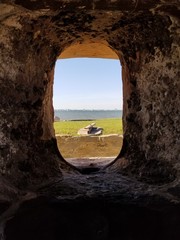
point(145, 37)
point(90, 50)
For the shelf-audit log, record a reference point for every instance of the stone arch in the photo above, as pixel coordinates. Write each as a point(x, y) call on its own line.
point(101, 50)
point(26, 133)
point(107, 205)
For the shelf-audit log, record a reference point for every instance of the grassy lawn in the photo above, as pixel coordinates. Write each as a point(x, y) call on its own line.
point(110, 126)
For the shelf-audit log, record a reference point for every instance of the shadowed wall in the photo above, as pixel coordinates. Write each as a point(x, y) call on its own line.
point(144, 35)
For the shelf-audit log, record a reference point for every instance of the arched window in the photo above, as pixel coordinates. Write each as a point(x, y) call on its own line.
point(87, 99)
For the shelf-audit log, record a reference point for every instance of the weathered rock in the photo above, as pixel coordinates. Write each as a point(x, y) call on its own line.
point(144, 35)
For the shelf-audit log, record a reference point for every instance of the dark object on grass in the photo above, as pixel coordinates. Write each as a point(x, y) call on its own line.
point(90, 130)
point(56, 119)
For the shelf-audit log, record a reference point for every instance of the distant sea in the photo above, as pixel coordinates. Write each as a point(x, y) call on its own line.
point(87, 114)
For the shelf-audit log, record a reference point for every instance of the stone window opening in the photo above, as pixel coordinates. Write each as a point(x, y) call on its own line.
point(87, 153)
point(41, 195)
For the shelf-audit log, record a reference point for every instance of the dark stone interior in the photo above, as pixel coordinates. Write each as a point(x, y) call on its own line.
point(138, 195)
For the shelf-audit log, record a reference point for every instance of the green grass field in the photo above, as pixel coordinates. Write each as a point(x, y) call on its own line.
point(110, 126)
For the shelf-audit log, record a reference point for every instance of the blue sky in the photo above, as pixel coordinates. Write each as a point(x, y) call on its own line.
point(87, 83)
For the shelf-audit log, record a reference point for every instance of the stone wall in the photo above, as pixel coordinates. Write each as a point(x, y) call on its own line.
point(41, 195)
point(33, 37)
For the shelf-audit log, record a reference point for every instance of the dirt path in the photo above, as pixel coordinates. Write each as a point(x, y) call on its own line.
point(90, 146)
